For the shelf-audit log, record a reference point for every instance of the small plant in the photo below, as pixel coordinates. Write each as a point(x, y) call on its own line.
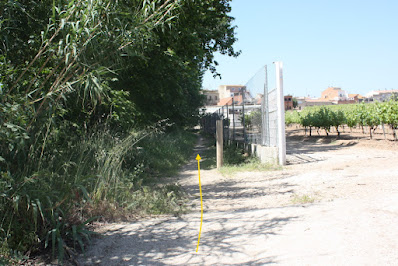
point(11, 257)
point(302, 199)
point(235, 160)
point(234, 155)
point(252, 164)
point(168, 199)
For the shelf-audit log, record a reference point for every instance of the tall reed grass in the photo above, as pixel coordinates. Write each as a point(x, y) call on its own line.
point(51, 200)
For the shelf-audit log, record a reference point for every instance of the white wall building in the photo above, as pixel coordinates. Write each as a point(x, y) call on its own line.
point(212, 97)
point(381, 96)
point(226, 91)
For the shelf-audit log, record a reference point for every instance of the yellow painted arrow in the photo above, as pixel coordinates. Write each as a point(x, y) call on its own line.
point(201, 202)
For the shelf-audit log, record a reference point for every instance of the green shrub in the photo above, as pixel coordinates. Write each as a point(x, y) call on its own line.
point(49, 204)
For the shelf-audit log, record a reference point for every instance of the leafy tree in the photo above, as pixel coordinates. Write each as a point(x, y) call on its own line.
point(166, 82)
point(337, 118)
point(307, 121)
point(74, 70)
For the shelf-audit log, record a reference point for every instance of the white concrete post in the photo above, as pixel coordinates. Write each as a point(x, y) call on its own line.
point(281, 114)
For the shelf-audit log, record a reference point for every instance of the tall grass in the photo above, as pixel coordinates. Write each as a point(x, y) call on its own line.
point(235, 160)
point(49, 203)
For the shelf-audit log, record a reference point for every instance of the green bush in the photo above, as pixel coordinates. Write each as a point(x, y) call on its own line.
point(45, 205)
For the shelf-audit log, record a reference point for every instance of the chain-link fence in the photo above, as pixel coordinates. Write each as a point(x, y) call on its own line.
point(250, 112)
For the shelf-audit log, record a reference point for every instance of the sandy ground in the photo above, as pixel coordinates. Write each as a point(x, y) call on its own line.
point(257, 218)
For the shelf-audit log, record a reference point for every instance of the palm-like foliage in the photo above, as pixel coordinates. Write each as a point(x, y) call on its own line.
point(75, 77)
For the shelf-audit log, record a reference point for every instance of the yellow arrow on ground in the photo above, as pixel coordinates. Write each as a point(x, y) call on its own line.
point(201, 202)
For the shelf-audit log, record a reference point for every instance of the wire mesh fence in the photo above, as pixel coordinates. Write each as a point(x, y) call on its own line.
point(250, 112)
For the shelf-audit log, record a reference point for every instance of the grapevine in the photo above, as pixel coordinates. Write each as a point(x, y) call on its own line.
point(371, 115)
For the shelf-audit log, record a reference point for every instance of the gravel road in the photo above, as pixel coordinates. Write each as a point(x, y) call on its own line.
point(336, 203)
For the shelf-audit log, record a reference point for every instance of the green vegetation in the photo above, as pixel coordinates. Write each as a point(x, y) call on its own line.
point(232, 156)
point(325, 117)
point(235, 160)
point(209, 156)
point(251, 164)
point(302, 199)
point(93, 99)
point(98, 174)
point(253, 120)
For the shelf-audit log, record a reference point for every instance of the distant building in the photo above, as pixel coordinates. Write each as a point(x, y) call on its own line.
point(226, 91)
point(334, 94)
point(212, 97)
point(238, 100)
point(381, 96)
point(238, 92)
point(303, 102)
point(258, 100)
point(288, 102)
point(356, 97)
point(338, 96)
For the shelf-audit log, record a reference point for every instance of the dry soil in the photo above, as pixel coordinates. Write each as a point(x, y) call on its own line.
point(335, 203)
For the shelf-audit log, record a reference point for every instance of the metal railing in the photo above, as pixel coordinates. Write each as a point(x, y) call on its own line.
point(254, 114)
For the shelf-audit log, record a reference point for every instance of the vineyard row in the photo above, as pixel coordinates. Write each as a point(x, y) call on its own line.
point(371, 115)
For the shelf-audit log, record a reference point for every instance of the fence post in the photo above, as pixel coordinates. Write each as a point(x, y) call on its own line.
point(281, 114)
point(228, 123)
point(227, 111)
point(243, 114)
point(233, 118)
point(220, 142)
point(264, 112)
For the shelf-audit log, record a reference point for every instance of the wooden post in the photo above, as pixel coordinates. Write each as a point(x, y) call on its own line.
point(219, 134)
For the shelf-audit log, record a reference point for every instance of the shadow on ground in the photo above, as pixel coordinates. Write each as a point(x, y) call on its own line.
point(226, 237)
point(299, 148)
point(230, 236)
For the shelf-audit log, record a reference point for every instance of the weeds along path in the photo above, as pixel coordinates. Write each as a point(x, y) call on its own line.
point(335, 204)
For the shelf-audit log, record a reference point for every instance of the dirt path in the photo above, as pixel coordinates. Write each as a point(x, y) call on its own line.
point(262, 217)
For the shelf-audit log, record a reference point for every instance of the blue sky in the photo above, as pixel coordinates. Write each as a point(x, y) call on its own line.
point(349, 44)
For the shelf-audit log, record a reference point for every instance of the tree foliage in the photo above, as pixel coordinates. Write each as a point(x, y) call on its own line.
point(73, 70)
